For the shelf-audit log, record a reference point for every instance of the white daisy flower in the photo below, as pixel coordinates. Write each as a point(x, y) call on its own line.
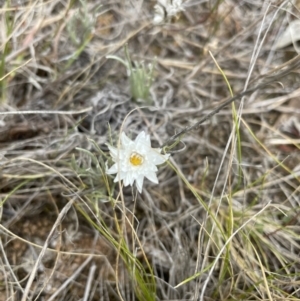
point(135, 160)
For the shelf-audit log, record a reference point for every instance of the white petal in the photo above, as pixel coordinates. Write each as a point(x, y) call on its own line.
point(142, 143)
point(112, 170)
point(122, 175)
point(164, 158)
point(125, 140)
point(129, 179)
point(156, 158)
point(141, 137)
point(126, 180)
point(117, 178)
point(113, 151)
point(151, 168)
point(139, 183)
point(148, 141)
point(152, 177)
point(132, 177)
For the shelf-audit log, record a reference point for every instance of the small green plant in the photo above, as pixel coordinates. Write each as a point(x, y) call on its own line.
point(80, 29)
point(140, 76)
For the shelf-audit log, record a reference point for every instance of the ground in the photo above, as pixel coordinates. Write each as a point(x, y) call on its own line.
point(223, 221)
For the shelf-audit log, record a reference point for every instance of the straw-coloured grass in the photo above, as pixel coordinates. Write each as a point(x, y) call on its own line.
point(221, 98)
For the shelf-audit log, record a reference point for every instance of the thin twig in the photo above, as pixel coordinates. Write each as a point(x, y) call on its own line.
point(47, 112)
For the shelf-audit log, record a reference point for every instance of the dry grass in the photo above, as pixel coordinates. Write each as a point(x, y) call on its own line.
point(223, 223)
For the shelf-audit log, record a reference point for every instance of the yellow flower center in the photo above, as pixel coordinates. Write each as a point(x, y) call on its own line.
point(136, 159)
